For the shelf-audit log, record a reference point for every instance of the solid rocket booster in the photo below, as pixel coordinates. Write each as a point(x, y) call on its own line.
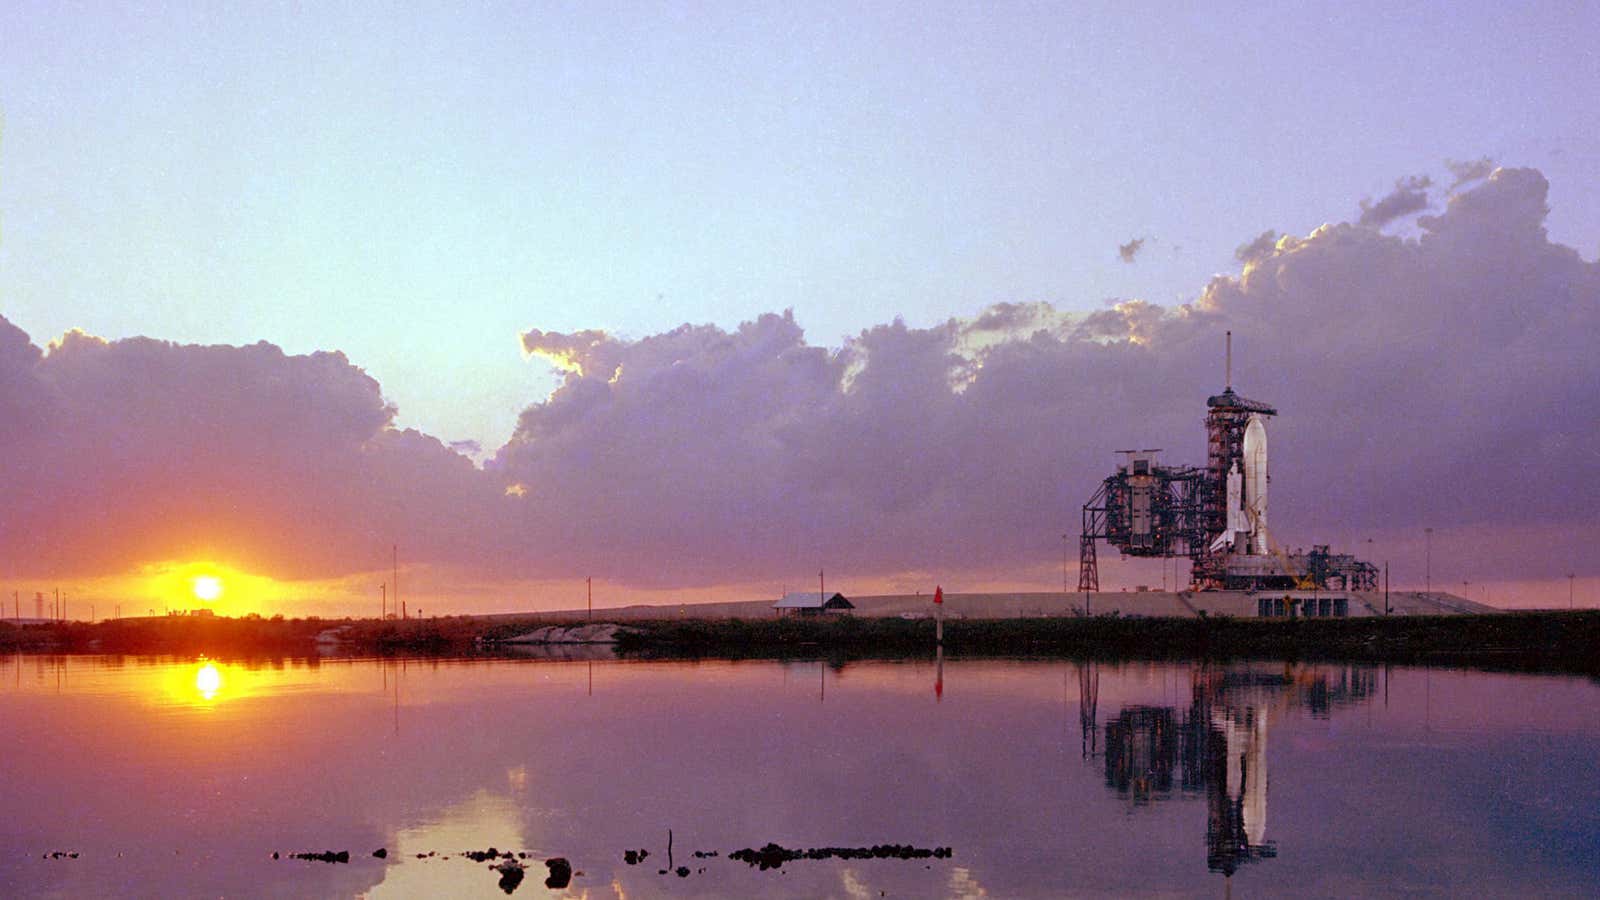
point(1255, 483)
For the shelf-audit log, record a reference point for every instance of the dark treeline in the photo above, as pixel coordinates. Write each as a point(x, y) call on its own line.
point(173, 634)
point(255, 635)
point(1529, 641)
point(1533, 641)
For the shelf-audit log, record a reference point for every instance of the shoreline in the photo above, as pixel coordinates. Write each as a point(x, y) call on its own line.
point(1544, 641)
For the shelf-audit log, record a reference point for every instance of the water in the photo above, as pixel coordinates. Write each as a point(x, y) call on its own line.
point(1046, 779)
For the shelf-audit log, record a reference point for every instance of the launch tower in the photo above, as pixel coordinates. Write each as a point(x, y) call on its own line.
point(1215, 516)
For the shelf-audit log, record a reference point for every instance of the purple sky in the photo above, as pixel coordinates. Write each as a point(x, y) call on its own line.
point(940, 261)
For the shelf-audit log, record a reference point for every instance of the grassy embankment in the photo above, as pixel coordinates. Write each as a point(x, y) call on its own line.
point(1536, 641)
point(1543, 641)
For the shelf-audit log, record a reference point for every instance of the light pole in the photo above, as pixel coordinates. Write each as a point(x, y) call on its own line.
point(1371, 555)
point(1427, 563)
point(1063, 564)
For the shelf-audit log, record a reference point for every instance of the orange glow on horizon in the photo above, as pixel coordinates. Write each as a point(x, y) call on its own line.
point(180, 586)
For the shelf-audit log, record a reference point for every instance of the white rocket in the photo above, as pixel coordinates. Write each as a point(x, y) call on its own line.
point(1255, 483)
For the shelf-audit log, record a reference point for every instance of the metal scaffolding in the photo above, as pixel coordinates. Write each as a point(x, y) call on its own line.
point(1145, 509)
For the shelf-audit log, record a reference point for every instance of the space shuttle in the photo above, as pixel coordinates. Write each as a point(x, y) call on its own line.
point(1246, 528)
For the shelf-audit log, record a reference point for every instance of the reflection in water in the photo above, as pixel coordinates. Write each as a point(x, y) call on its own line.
point(208, 681)
point(1218, 745)
point(1236, 798)
point(1088, 707)
point(1141, 752)
point(164, 792)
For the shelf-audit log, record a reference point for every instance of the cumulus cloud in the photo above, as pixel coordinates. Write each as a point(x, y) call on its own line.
point(562, 351)
point(1259, 248)
point(1410, 195)
point(120, 453)
point(1418, 377)
point(1465, 172)
point(1444, 379)
point(1129, 251)
point(1459, 354)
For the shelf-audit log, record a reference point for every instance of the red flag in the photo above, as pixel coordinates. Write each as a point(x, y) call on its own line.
point(938, 595)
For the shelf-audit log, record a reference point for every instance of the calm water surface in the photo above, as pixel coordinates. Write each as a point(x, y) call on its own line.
point(181, 777)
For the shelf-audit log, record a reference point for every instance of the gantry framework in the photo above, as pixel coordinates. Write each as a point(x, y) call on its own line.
point(1145, 509)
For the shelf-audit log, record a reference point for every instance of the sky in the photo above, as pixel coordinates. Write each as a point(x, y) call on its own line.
point(699, 300)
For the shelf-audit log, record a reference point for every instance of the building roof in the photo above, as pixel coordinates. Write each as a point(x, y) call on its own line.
point(1229, 400)
point(806, 600)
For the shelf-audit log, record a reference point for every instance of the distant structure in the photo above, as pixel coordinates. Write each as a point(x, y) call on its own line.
point(809, 604)
point(1215, 516)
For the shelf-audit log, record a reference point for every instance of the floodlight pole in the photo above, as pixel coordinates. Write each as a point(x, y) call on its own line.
point(1427, 560)
point(1064, 563)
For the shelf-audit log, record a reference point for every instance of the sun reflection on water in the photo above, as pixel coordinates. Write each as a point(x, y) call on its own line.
point(200, 684)
point(208, 681)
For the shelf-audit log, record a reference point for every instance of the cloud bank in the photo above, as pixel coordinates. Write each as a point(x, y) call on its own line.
point(1410, 195)
point(126, 452)
point(1445, 380)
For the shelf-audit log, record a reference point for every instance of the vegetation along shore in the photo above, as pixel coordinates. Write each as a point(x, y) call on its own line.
point(1536, 641)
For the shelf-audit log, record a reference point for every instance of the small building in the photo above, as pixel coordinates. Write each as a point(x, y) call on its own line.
point(808, 604)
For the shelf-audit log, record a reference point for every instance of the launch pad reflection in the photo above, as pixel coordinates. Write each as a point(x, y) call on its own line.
point(1216, 747)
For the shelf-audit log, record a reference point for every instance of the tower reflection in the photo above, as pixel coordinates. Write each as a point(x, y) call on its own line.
point(1218, 746)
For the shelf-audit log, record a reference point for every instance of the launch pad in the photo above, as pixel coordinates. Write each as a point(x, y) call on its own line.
point(1215, 516)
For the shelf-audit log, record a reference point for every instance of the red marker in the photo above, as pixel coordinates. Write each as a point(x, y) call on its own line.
point(938, 595)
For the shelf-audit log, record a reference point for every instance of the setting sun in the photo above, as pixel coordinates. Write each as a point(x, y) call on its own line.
point(207, 587)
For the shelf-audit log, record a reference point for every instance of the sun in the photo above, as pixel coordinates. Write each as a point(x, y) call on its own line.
point(207, 587)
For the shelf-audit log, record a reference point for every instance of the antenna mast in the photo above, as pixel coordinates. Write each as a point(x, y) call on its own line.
point(1228, 374)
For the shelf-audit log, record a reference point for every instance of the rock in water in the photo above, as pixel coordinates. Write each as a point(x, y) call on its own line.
point(511, 875)
point(560, 873)
point(327, 856)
